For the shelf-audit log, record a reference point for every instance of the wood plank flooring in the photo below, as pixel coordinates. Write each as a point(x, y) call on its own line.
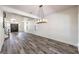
point(26, 43)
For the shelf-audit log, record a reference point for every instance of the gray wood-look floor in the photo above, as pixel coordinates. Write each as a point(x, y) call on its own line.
point(26, 43)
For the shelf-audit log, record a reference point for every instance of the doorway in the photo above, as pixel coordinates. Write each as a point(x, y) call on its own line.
point(14, 27)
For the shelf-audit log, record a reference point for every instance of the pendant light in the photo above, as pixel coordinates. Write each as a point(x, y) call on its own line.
point(41, 15)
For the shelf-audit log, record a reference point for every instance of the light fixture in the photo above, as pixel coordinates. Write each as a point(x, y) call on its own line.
point(13, 20)
point(41, 15)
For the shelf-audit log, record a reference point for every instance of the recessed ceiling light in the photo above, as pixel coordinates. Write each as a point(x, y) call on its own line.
point(13, 19)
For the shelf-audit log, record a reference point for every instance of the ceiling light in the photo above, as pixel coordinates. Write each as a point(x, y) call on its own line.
point(13, 19)
point(41, 15)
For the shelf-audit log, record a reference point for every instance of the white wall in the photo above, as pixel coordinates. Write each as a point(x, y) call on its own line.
point(1, 30)
point(61, 26)
point(78, 28)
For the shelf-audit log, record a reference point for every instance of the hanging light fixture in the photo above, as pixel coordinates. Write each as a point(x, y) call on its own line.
point(41, 15)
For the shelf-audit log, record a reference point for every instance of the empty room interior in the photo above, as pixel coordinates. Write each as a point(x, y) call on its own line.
point(39, 29)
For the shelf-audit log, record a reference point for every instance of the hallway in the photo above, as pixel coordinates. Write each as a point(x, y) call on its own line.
point(26, 43)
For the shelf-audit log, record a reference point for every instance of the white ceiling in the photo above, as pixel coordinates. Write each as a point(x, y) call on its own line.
point(33, 9)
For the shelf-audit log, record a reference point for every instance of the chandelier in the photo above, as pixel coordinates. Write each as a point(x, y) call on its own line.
point(41, 15)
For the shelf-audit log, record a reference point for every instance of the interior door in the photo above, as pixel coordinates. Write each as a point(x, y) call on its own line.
point(14, 27)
